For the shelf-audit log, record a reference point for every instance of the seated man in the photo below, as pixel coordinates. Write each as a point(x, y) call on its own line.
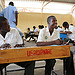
point(10, 37)
point(35, 30)
point(50, 36)
point(32, 34)
point(27, 34)
point(70, 30)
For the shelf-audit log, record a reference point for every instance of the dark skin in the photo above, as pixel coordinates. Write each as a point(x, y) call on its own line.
point(3, 30)
point(69, 32)
point(51, 25)
point(16, 16)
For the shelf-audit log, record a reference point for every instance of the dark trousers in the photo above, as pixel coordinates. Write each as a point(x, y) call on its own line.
point(69, 65)
point(29, 67)
point(49, 66)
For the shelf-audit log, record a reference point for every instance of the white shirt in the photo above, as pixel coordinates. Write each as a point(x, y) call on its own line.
point(72, 35)
point(13, 37)
point(60, 29)
point(9, 14)
point(44, 35)
point(36, 30)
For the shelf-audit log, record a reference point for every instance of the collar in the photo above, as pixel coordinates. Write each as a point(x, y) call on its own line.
point(7, 34)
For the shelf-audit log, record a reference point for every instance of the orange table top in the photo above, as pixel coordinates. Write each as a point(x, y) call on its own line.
point(34, 53)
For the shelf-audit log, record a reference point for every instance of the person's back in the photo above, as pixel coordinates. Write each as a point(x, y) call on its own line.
point(9, 13)
point(59, 29)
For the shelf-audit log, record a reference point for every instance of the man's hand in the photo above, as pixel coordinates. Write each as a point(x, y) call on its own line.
point(69, 32)
point(18, 45)
point(5, 46)
point(59, 42)
point(15, 23)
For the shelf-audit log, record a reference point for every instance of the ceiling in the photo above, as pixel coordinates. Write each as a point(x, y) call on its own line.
point(67, 1)
point(44, 6)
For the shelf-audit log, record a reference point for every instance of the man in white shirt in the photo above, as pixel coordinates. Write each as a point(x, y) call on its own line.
point(10, 37)
point(70, 30)
point(50, 36)
point(35, 29)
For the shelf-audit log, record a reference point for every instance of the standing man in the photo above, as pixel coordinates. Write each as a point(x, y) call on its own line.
point(11, 14)
point(50, 36)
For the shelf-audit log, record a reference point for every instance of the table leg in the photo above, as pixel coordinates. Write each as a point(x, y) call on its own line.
point(64, 67)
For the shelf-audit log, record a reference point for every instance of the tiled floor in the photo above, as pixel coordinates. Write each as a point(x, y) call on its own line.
point(58, 66)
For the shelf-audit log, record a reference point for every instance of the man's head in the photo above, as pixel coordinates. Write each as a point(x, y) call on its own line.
point(65, 25)
point(41, 26)
point(4, 25)
point(34, 27)
point(11, 3)
point(28, 29)
point(71, 24)
point(52, 22)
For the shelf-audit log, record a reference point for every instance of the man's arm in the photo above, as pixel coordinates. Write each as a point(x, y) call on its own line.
point(6, 45)
point(69, 32)
point(56, 42)
point(16, 17)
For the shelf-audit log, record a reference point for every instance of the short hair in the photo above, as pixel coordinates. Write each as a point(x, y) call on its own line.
point(58, 26)
point(28, 28)
point(71, 24)
point(65, 24)
point(49, 18)
point(41, 26)
point(1, 20)
point(34, 27)
point(11, 3)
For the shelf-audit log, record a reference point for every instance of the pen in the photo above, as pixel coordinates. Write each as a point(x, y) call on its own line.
point(67, 42)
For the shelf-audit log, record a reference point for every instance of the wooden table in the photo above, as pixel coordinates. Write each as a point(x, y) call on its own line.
point(34, 53)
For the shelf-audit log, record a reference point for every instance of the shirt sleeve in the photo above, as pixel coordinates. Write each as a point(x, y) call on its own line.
point(41, 36)
point(73, 30)
point(18, 37)
point(15, 9)
point(56, 35)
point(36, 30)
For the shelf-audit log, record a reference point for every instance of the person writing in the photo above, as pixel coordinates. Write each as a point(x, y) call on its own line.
point(10, 37)
point(70, 31)
point(50, 36)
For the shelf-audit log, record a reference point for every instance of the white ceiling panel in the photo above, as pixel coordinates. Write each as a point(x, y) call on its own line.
point(43, 6)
